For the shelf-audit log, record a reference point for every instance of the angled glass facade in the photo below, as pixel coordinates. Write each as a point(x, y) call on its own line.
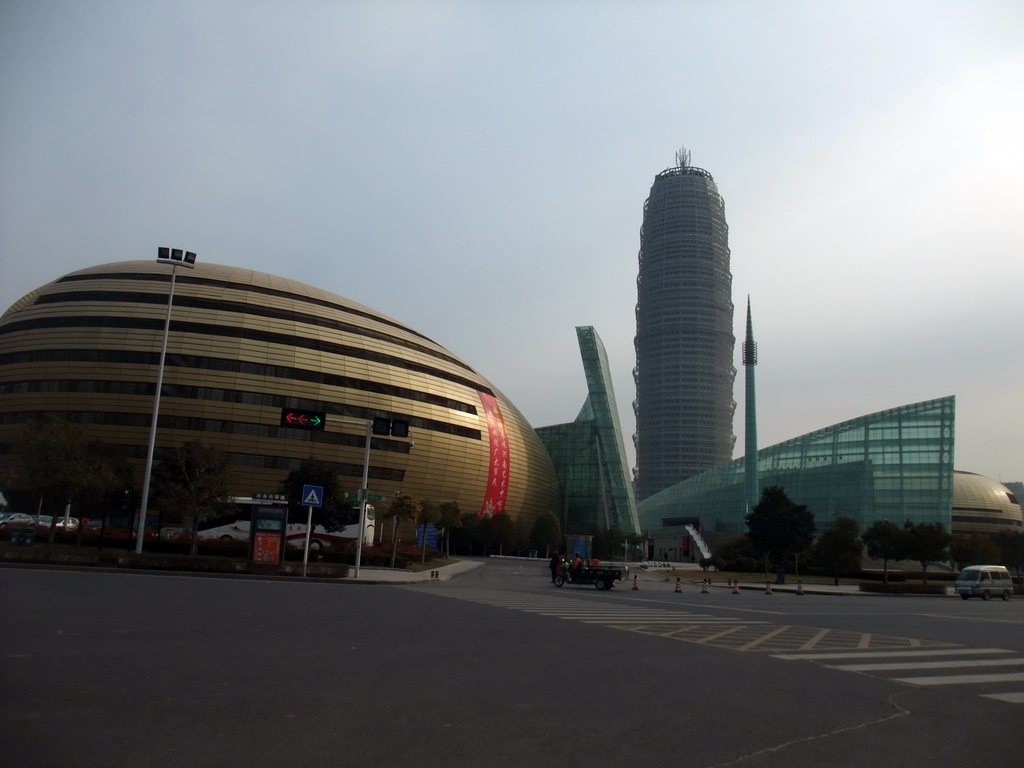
point(892, 465)
point(589, 453)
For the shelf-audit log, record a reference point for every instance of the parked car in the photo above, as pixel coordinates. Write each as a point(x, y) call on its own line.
point(17, 520)
point(67, 524)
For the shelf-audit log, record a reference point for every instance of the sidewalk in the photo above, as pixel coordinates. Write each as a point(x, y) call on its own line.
point(398, 576)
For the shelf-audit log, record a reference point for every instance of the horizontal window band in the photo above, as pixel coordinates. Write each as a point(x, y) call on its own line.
point(243, 308)
point(158, 277)
point(234, 332)
point(219, 426)
point(260, 461)
point(120, 357)
point(270, 429)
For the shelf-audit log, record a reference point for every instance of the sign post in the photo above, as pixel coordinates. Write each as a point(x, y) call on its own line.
point(312, 496)
point(379, 425)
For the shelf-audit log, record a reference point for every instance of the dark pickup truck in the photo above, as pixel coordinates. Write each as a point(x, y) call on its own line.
point(602, 577)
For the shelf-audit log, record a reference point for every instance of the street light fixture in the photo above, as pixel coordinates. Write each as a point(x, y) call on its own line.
point(175, 257)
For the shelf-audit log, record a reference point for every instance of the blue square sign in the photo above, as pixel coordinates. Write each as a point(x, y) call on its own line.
point(312, 495)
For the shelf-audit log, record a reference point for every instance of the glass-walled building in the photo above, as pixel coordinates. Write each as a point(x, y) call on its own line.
point(892, 465)
point(589, 453)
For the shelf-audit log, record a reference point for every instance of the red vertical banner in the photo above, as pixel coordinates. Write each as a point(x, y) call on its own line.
point(497, 474)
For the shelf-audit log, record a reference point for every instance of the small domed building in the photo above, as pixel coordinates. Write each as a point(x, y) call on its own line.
point(983, 505)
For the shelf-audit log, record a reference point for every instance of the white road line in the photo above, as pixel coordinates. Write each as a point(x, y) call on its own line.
point(1014, 677)
point(884, 654)
point(973, 618)
point(703, 604)
point(963, 663)
point(1012, 698)
point(663, 622)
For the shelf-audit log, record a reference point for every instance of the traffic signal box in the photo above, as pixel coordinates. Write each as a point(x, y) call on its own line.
point(382, 425)
point(290, 417)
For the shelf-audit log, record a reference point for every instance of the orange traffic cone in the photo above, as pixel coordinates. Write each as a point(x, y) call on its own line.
point(799, 588)
point(679, 586)
point(767, 587)
point(635, 584)
point(736, 587)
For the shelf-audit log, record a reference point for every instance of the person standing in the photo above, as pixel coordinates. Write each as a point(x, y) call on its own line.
point(555, 565)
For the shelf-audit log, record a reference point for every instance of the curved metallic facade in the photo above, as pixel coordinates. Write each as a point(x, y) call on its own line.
point(684, 332)
point(242, 346)
point(983, 505)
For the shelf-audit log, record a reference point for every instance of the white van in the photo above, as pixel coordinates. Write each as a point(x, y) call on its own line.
point(984, 581)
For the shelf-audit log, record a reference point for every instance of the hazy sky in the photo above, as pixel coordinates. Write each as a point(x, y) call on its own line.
point(477, 170)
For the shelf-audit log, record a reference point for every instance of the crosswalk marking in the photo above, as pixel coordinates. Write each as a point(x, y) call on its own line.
point(763, 639)
point(958, 659)
point(1014, 677)
point(1010, 698)
point(741, 634)
point(898, 665)
point(787, 642)
point(884, 654)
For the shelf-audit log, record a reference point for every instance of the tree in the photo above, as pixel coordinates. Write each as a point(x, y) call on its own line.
point(738, 554)
point(613, 541)
point(636, 543)
point(109, 481)
point(59, 463)
point(546, 532)
point(451, 518)
point(429, 514)
point(467, 535)
point(335, 510)
point(193, 480)
point(838, 547)
point(884, 541)
point(778, 526)
point(925, 543)
point(974, 549)
point(496, 531)
point(403, 507)
point(1012, 548)
point(54, 452)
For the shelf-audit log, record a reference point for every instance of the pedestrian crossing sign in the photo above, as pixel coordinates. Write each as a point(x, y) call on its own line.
point(312, 495)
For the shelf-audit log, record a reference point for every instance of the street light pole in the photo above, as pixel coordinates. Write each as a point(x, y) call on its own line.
point(362, 496)
point(174, 257)
point(364, 490)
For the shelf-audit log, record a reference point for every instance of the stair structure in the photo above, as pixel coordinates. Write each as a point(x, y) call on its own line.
point(699, 541)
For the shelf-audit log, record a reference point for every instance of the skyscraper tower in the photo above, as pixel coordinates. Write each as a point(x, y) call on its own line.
point(684, 336)
point(751, 492)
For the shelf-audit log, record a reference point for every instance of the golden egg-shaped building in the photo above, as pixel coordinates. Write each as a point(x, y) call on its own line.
point(243, 345)
point(983, 505)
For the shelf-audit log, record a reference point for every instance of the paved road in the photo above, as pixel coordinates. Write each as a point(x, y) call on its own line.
point(495, 668)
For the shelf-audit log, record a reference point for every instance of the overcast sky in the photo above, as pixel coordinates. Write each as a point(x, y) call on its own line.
point(477, 170)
